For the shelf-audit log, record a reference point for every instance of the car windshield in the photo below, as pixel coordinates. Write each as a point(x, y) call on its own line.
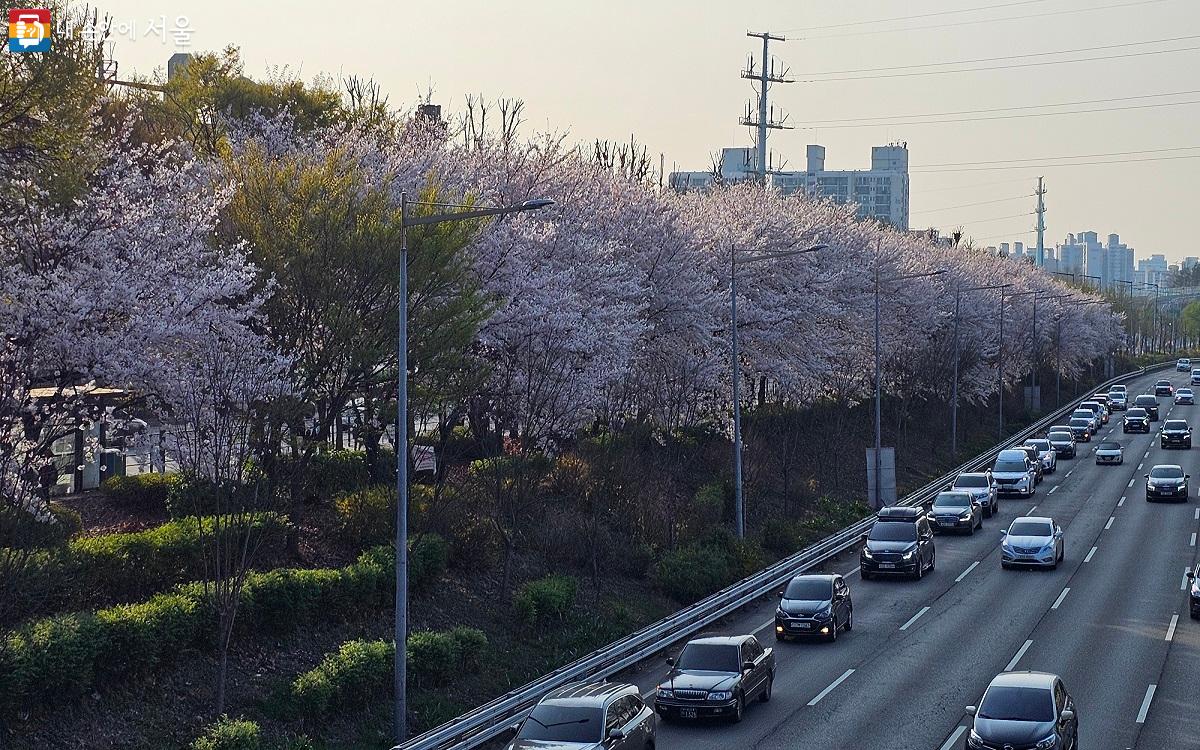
point(816, 589)
point(1062, 437)
point(971, 480)
point(1009, 466)
point(1029, 528)
point(1145, 400)
point(951, 500)
point(563, 724)
point(1166, 472)
point(891, 531)
point(1184, 391)
point(1004, 703)
point(1135, 413)
point(709, 657)
point(1116, 395)
point(1108, 447)
point(1175, 424)
point(1042, 445)
point(1081, 422)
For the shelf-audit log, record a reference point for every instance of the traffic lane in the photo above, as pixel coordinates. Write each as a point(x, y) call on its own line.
point(1172, 719)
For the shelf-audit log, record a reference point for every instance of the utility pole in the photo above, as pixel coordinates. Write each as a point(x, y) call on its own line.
point(1041, 223)
point(764, 120)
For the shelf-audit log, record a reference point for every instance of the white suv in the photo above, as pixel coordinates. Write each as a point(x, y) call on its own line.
point(1196, 376)
point(1183, 364)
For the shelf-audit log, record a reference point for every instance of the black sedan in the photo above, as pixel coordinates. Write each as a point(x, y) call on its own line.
point(814, 605)
point(1167, 482)
point(716, 677)
point(1063, 443)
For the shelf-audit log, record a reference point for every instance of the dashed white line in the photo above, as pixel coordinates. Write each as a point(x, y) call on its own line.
point(1060, 598)
point(1145, 709)
point(1053, 489)
point(1032, 510)
point(1069, 473)
point(1130, 483)
point(954, 738)
point(1017, 658)
point(1121, 501)
point(1091, 552)
point(973, 565)
point(1192, 543)
point(1197, 515)
point(1140, 466)
point(829, 689)
point(1171, 627)
point(1108, 525)
point(914, 618)
point(856, 570)
point(1147, 455)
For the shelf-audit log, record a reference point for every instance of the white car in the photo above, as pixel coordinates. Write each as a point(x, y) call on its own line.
point(1014, 474)
point(1185, 397)
point(1110, 452)
point(1046, 454)
point(979, 484)
point(1032, 541)
point(1117, 400)
point(1183, 365)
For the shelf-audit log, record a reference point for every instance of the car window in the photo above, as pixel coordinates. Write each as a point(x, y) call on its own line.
point(1166, 472)
point(1175, 424)
point(971, 481)
point(923, 528)
point(563, 724)
point(1060, 696)
point(1135, 413)
point(1062, 437)
point(1029, 528)
point(890, 531)
point(812, 589)
point(1005, 703)
point(1108, 447)
point(951, 499)
point(712, 657)
point(751, 650)
point(617, 716)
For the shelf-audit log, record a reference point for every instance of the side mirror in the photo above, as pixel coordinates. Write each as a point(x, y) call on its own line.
point(1187, 476)
point(1003, 532)
point(1191, 576)
point(1058, 534)
point(1146, 476)
point(616, 734)
point(747, 666)
point(1066, 715)
point(670, 661)
point(972, 710)
point(863, 539)
point(779, 593)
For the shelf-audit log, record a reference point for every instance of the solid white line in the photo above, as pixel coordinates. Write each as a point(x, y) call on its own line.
point(1183, 584)
point(1145, 709)
point(914, 618)
point(1193, 542)
point(1130, 483)
point(1108, 525)
point(971, 567)
point(954, 738)
point(1171, 627)
point(1091, 552)
point(1121, 501)
point(1017, 658)
point(829, 689)
point(1060, 598)
point(1053, 489)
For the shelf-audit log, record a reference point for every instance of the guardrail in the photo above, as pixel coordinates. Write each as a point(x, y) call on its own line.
point(492, 719)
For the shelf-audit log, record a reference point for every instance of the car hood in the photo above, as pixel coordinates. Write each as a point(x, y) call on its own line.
point(700, 680)
point(1108, 451)
point(1166, 481)
point(1175, 432)
point(553, 745)
point(999, 732)
point(1029, 541)
point(803, 606)
point(1009, 474)
point(949, 510)
point(878, 545)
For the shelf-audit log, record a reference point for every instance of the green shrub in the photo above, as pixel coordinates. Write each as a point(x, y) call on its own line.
point(366, 516)
point(546, 598)
point(331, 473)
point(472, 647)
point(189, 494)
point(356, 674)
point(229, 734)
point(779, 536)
point(140, 492)
point(432, 657)
point(692, 572)
point(708, 504)
point(427, 557)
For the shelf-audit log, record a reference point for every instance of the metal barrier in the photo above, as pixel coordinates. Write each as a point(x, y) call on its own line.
point(495, 717)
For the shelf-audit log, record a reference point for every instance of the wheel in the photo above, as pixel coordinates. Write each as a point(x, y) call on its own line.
point(932, 561)
point(1195, 615)
point(920, 570)
point(971, 531)
point(1005, 565)
point(739, 708)
point(850, 620)
point(979, 523)
point(765, 695)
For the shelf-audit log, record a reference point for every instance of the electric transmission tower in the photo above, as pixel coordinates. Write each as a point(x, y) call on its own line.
point(1041, 223)
point(765, 75)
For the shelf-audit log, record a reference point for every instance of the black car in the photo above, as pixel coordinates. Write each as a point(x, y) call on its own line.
point(1063, 443)
point(1164, 388)
point(1175, 434)
point(1194, 593)
point(716, 677)
point(955, 511)
point(900, 542)
point(814, 605)
point(1137, 419)
point(1149, 403)
point(1167, 481)
point(1024, 710)
point(1081, 428)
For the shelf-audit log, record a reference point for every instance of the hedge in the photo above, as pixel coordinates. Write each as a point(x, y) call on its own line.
point(546, 598)
point(141, 492)
point(230, 734)
point(66, 656)
point(694, 571)
point(20, 529)
point(366, 516)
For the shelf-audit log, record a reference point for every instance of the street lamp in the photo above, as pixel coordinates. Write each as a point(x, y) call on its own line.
point(877, 500)
point(958, 292)
point(738, 505)
point(459, 212)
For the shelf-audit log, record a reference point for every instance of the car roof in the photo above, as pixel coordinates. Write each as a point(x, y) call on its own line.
point(973, 474)
point(1012, 452)
point(597, 694)
point(719, 640)
point(1024, 679)
point(1147, 396)
point(815, 577)
point(1185, 388)
point(1043, 519)
point(1166, 466)
point(899, 513)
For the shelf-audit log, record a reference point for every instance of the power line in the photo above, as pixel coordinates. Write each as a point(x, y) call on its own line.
point(1003, 67)
point(998, 236)
point(1007, 57)
point(899, 123)
point(975, 185)
point(970, 205)
point(922, 15)
point(1072, 164)
point(982, 20)
point(997, 218)
point(1060, 158)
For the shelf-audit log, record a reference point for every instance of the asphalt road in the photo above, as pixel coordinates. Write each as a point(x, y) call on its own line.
point(1112, 621)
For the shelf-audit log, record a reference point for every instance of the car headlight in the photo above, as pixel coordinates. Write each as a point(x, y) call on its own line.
point(824, 614)
point(665, 693)
point(1046, 743)
point(720, 695)
point(908, 555)
point(974, 740)
point(867, 553)
point(965, 515)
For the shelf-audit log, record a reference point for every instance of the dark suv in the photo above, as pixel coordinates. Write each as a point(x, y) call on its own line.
point(716, 677)
point(1149, 403)
point(900, 541)
point(816, 605)
point(1175, 434)
point(1137, 419)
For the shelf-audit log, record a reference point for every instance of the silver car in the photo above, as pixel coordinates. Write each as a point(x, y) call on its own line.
point(1014, 473)
point(588, 716)
point(1117, 400)
point(979, 484)
point(1185, 397)
point(1032, 541)
point(1110, 452)
point(1046, 454)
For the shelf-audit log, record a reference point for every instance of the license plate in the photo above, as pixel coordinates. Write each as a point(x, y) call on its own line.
point(687, 713)
point(803, 625)
point(887, 566)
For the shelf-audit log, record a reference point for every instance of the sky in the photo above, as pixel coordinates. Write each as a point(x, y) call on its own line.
point(667, 72)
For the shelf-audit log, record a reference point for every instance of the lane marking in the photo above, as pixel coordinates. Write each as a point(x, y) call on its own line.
point(1069, 473)
point(1053, 489)
point(1171, 627)
point(1091, 552)
point(1017, 658)
point(1140, 466)
point(1108, 525)
point(829, 689)
point(1060, 598)
point(954, 738)
point(1147, 455)
point(972, 566)
point(857, 569)
point(914, 618)
point(1197, 516)
point(1193, 542)
point(1183, 584)
point(1121, 501)
point(1032, 510)
point(1145, 709)
point(1130, 483)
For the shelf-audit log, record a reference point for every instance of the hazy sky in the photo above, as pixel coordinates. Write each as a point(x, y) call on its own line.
point(668, 72)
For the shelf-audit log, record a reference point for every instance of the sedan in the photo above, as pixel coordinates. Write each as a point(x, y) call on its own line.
point(1032, 541)
point(1136, 420)
point(1164, 388)
point(1167, 481)
point(1063, 442)
point(716, 677)
point(1025, 710)
point(1110, 453)
point(814, 605)
point(1081, 428)
point(1175, 433)
point(956, 511)
point(1185, 397)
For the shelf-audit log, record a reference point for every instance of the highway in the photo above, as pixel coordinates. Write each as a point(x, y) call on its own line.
point(1112, 621)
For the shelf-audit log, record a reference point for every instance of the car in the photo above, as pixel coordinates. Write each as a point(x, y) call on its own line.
point(814, 605)
point(1183, 364)
point(1032, 542)
point(1097, 408)
point(1014, 473)
point(1196, 376)
point(588, 716)
point(1035, 460)
point(1194, 592)
point(1081, 428)
point(1149, 403)
point(1120, 388)
point(1110, 452)
point(1163, 388)
point(1117, 401)
point(716, 677)
point(955, 511)
point(979, 484)
point(899, 542)
point(1185, 397)
point(1093, 420)
point(1175, 433)
point(1136, 419)
point(1046, 454)
point(1167, 481)
point(1026, 710)
point(1063, 442)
